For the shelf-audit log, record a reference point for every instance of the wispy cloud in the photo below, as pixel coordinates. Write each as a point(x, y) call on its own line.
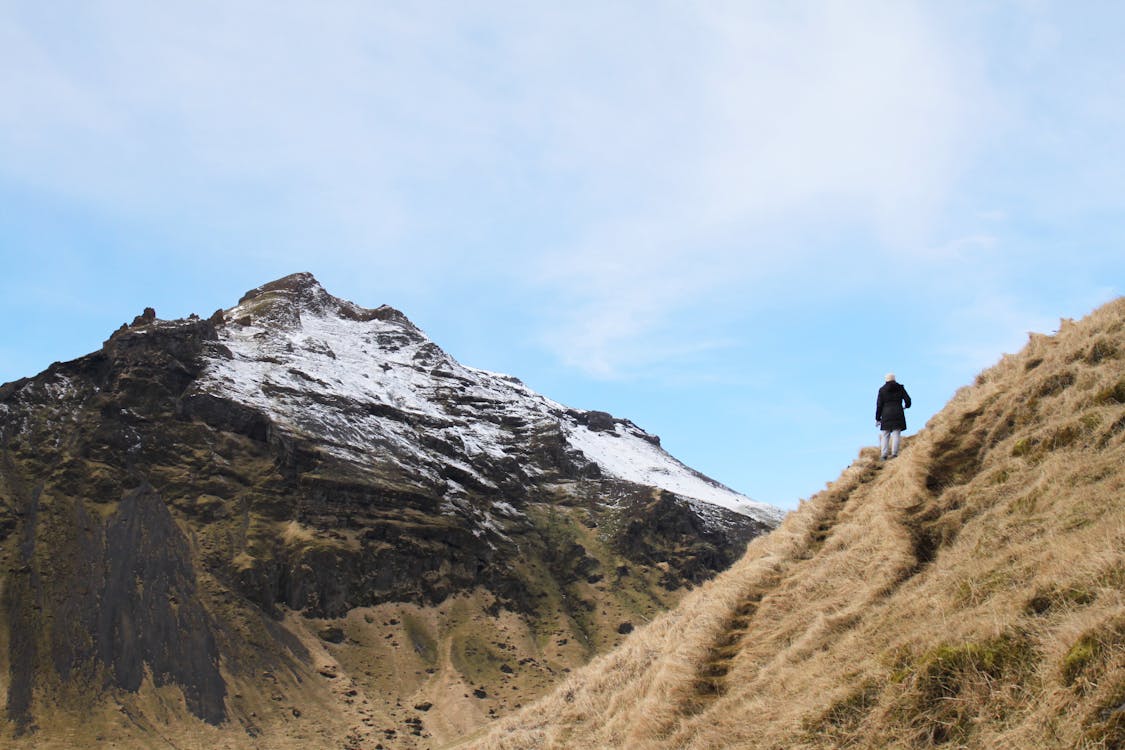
point(666, 141)
point(636, 171)
point(791, 116)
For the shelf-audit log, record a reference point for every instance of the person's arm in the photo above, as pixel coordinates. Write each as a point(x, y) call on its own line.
point(906, 398)
point(879, 406)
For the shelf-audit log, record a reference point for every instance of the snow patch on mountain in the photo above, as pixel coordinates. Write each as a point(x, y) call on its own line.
point(626, 456)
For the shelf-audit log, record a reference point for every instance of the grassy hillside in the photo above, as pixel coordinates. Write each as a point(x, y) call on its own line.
point(970, 593)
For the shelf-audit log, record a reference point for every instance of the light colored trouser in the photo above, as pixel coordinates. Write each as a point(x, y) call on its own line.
point(889, 439)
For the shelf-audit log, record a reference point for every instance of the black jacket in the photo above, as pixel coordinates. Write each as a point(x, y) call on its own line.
point(889, 406)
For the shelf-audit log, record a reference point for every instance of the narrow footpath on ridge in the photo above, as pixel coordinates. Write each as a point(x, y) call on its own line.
point(711, 681)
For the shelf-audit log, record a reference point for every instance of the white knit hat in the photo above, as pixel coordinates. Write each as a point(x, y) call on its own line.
point(890, 376)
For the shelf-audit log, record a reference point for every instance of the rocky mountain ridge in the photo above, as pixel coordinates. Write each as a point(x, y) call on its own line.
point(300, 520)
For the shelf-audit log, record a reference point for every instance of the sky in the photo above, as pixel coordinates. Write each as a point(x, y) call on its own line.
point(725, 221)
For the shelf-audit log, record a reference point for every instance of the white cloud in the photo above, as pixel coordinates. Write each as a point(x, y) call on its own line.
point(855, 113)
point(857, 102)
point(675, 143)
point(168, 110)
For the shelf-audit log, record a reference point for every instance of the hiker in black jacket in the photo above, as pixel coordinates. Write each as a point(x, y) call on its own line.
point(890, 417)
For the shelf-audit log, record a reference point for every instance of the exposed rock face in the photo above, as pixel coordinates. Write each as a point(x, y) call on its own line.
point(166, 501)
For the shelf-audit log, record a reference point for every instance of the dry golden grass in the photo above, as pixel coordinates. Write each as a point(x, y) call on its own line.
point(970, 593)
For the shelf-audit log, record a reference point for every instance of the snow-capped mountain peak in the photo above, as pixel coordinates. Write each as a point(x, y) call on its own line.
point(371, 388)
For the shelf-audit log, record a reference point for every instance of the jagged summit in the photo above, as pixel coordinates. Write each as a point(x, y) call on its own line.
point(281, 302)
point(300, 286)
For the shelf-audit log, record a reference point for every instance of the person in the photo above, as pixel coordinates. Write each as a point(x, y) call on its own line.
point(890, 417)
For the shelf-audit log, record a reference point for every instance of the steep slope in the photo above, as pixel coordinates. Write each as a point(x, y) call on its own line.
point(970, 593)
point(301, 523)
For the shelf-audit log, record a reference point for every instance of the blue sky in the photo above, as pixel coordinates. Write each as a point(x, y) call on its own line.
point(723, 220)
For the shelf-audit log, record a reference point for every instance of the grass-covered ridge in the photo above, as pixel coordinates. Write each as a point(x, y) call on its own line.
point(970, 593)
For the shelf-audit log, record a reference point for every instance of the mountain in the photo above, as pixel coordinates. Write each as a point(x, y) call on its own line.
point(299, 522)
point(968, 594)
